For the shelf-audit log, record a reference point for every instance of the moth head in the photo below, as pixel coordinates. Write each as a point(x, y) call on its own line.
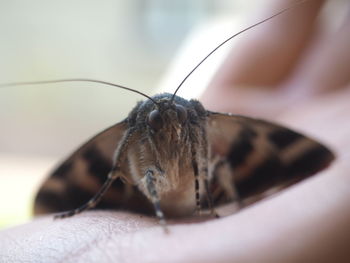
point(155, 118)
point(166, 114)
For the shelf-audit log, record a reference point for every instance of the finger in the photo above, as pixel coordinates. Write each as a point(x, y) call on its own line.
point(264, 55)
point(326, 66)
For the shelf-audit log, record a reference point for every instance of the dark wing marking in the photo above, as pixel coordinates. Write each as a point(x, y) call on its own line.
point(80, 176)
point(262, 156)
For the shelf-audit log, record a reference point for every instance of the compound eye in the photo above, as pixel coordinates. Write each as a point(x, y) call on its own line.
point(155, 120)
point(181, 113)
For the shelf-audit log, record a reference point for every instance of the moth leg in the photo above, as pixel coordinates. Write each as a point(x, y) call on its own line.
point(210, 199)
point(203, 160)
point(196, 186)
point(205, 175)
point(150, 179)
point(208, 194)
point(112, 176)
point(94, 200)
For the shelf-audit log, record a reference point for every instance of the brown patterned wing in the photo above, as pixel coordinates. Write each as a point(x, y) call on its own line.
point(262, 156)
point(79, 177)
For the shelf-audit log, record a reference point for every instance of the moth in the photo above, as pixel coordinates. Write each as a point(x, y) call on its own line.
point(172, 157)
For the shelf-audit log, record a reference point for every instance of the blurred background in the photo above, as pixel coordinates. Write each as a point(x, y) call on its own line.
point(148, 45)
point(132, 43)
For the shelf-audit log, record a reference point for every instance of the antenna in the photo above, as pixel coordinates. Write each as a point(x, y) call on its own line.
point(75, 80)
point(231, 37)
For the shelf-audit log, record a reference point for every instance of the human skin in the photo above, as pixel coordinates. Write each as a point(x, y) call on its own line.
point(309, 222)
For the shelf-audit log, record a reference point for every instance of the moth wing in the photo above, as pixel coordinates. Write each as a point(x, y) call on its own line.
point(81, 175)
point(262, 157)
